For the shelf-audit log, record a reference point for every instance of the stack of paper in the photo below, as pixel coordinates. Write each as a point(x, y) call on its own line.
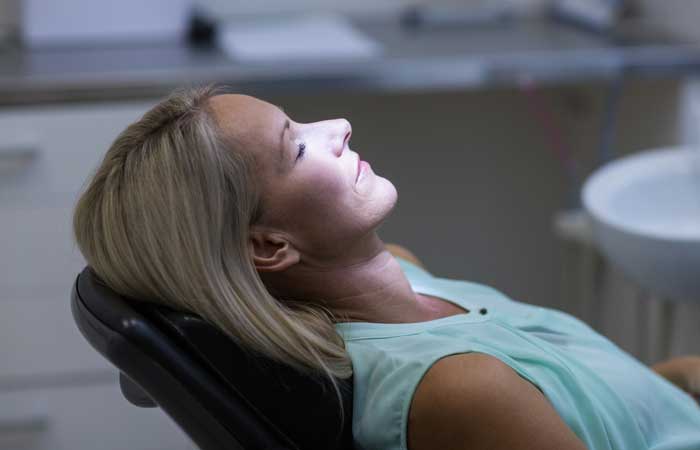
point(305, 37)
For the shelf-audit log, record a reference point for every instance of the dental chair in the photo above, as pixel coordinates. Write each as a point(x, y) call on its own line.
point(222, 396)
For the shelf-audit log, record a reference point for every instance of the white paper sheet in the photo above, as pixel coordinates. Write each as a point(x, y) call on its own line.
point(308, 37)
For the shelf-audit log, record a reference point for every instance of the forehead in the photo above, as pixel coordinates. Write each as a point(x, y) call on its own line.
point(246, 119)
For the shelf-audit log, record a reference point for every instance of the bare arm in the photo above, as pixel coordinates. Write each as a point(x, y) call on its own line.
point(669, 370)
point(475, 401)
point(404, 253)
point(683, 371)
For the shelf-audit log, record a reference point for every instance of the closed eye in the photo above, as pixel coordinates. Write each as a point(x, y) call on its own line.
point(302, 150)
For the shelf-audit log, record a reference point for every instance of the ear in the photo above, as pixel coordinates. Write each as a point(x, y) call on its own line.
point(272, 252)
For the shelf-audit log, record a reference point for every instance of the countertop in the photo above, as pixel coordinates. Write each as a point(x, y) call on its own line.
point(412, 60)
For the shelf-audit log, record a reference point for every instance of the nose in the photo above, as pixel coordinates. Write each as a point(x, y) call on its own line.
point(348, 132)
point(344, 132)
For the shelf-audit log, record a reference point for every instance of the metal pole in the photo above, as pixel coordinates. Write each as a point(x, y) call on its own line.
point(667, 315)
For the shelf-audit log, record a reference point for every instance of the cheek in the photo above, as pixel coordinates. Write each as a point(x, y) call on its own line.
point(324, 194)
point(315, 203)
point(322, 203)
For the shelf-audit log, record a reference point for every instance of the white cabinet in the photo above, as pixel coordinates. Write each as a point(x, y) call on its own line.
point(56, 392)
point(46, 153)
point(84, 418)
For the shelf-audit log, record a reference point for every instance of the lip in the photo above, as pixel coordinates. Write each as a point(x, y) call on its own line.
point(364, 165)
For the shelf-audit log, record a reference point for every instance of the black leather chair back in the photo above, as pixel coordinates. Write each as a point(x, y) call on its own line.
point(222, 396)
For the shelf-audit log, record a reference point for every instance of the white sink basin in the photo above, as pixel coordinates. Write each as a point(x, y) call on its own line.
point(645, 210)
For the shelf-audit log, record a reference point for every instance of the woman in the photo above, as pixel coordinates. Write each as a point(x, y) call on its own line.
point(222, 205)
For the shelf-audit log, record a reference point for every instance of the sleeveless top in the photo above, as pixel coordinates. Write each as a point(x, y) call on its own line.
point(610, 400)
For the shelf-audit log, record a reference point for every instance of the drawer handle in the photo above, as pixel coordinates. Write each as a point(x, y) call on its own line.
point(14, 157)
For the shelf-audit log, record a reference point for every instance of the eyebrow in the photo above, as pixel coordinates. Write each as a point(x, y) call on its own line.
point(281, 143)
point(281, 156)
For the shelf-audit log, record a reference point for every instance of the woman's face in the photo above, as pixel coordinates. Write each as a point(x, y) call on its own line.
point(311, 191)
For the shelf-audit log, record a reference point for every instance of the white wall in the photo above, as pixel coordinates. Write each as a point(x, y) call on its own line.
point(10, 9)
point(9, 15)
point(678, 16)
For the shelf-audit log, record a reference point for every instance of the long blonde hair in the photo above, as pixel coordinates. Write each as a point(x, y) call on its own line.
point(165, 218)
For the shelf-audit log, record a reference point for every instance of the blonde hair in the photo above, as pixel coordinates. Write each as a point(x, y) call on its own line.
point(165, 218)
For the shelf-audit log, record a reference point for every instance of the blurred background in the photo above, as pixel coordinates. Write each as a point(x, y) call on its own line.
point(488, 117)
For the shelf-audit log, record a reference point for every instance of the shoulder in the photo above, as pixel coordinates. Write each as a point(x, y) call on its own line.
point(474, 400)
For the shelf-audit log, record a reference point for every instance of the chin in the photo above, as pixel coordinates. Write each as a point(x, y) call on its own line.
point(389, 196)
point(394, 194)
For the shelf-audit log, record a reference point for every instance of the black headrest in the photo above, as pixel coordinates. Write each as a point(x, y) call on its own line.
point(247, 394)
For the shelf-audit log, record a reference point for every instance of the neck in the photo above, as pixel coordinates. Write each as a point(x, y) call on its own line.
point(367, 288)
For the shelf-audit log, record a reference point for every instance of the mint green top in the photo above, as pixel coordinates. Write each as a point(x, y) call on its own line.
point(609, 399)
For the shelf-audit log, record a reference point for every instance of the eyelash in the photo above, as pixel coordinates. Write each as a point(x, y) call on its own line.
point(302, 148)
